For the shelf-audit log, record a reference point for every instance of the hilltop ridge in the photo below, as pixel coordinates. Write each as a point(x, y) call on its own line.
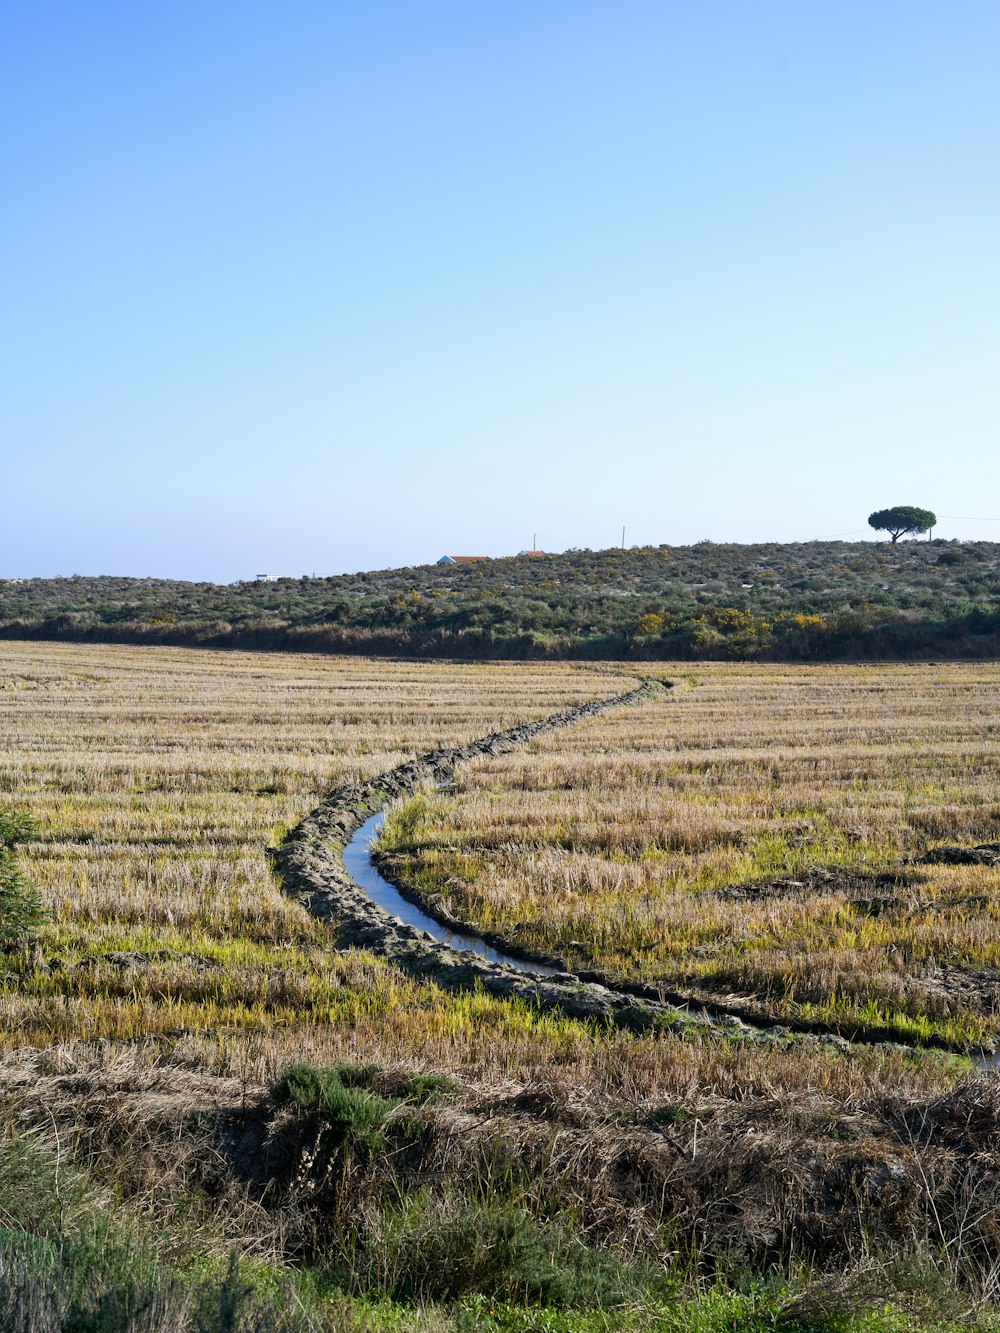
point(774, 601)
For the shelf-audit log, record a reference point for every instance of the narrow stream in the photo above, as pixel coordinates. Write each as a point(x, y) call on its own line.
point(358, 864)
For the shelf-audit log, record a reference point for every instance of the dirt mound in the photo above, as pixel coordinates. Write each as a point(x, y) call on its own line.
point(985, 854)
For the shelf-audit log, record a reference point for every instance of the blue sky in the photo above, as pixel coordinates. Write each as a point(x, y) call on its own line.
point(323, 287)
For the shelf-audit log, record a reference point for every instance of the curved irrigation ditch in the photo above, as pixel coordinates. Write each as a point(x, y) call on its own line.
point(325, 862)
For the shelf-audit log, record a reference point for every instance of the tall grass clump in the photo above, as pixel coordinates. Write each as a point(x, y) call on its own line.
point(347, 1115)
point(74, 1258)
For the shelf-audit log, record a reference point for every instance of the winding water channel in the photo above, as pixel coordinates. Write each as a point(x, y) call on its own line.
point(359, 865)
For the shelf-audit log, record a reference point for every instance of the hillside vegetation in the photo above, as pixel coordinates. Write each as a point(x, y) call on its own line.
point(798, 601)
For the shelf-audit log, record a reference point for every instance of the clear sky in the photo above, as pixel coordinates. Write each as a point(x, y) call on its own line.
point(314, 287)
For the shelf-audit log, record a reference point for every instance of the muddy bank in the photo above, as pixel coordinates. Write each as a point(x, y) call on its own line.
point(359, 864)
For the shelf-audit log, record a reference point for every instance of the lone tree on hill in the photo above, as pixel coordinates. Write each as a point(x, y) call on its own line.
point(901, 519)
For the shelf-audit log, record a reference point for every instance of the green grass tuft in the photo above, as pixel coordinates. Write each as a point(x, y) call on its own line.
point(348, 1116)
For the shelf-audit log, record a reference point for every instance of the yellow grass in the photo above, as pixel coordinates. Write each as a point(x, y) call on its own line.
point(175, 982)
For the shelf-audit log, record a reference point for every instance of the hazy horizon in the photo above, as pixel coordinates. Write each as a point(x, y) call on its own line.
point(333, 289)
point(500, 555)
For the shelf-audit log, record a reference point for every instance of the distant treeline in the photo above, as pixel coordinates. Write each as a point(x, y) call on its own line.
point(812, 601)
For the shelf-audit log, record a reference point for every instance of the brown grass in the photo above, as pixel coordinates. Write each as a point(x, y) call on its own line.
point(648, 1157)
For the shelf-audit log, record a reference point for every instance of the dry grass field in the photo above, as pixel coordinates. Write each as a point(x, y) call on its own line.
point(778, 834)
point(146, 1033)
point(159, 777)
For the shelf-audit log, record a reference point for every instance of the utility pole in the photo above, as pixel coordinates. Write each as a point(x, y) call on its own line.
point(623, 536)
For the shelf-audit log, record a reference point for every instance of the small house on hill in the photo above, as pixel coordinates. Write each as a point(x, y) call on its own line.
point(531, 552)
point(461, 559)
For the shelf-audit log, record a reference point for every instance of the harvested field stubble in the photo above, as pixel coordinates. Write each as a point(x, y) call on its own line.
point(176, 984)
point(158, 778)
point(768, 833)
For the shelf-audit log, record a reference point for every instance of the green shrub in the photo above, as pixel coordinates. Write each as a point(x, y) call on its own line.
point(424, 1088)
point(445, 1248)
point(578, 604)
point(341, 1096)
point(347, 1116)
point(21, 910)
point(357, 1076)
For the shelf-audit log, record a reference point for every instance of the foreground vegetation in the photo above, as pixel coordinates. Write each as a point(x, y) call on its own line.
point(212, 1118)
point(807, 601)
point(346, 1197)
